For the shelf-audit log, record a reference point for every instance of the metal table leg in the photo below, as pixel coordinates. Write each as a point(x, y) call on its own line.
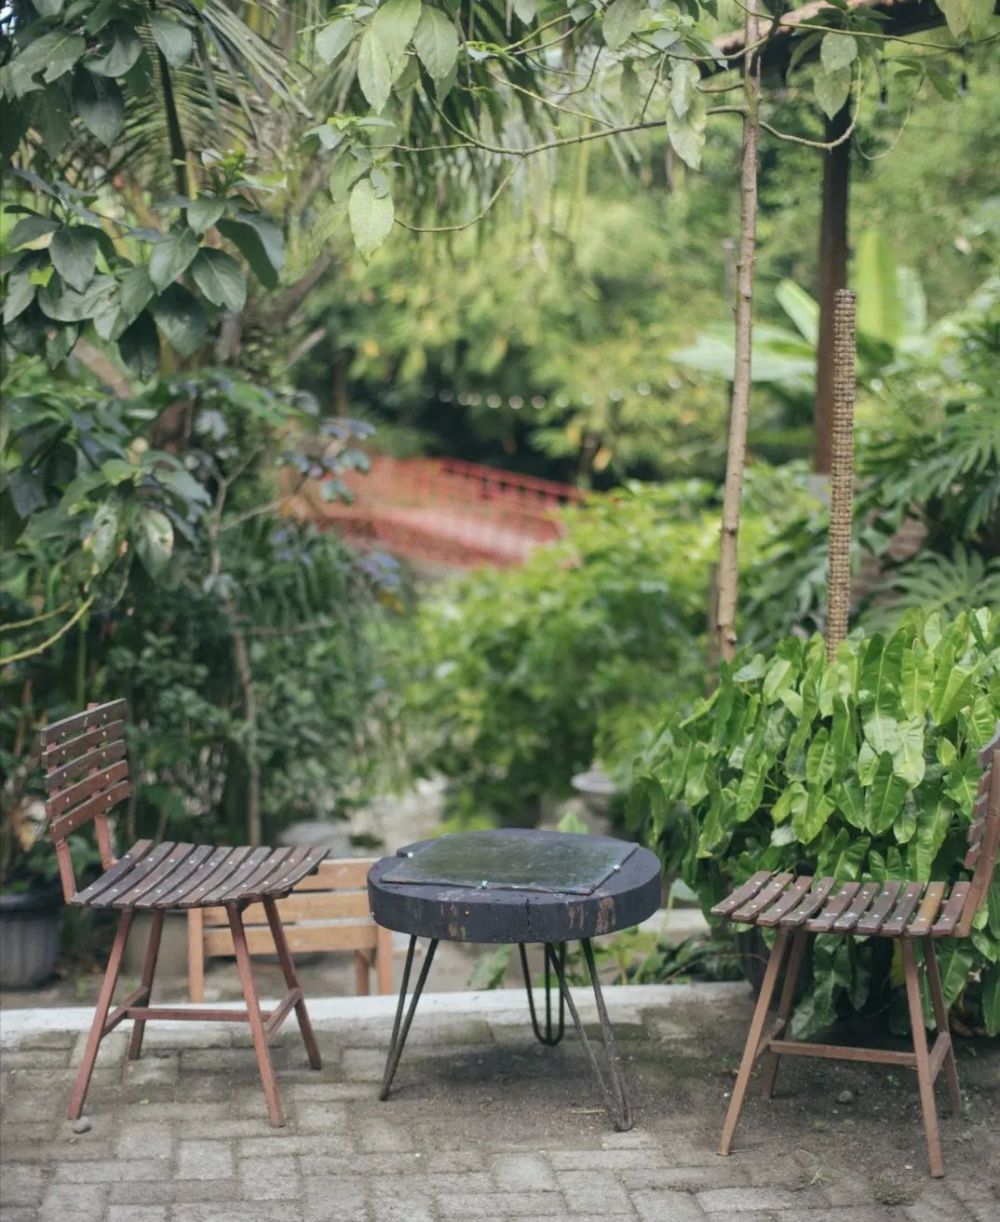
point(615, 1093)
point(550, 1037)
point(401, 1028)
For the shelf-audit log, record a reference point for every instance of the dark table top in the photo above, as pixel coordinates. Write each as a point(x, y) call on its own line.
point(515, 885)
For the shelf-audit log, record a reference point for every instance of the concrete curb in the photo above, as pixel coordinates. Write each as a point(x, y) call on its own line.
point(625, 1003)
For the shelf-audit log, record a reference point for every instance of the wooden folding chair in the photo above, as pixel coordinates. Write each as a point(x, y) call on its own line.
point(916, 913)
point(87, 776)
point(328, 911)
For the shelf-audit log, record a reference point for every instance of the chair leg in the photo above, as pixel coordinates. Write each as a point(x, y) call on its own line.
point(104, 999)
point(800, 940)
point(288, 969)
point(941, 1017)
point(257, 1031)
point(754, 1037)
point(148, 972)
point(924, 1079)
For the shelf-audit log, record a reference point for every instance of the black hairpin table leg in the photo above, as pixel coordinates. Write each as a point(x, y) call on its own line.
point(615, 1093)
point(401, 1027)
point(549, 1037)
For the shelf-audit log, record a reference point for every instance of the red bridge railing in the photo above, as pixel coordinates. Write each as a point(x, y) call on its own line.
point(444, 511)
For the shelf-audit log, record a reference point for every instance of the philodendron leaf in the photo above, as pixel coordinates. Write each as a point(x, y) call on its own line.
point(154, 541)
point(219, 277)
point(172, 257)
point(73, 251)
point(885, 797)
point(371, 216)
point(832, 89)
point(436, 43)
point(374, 72)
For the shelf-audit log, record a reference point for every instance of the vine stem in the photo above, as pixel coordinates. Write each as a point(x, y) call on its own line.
point(78, 614)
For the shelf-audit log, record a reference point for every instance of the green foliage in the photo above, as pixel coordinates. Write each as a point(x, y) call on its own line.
point(242, 639)
point(863, 768)
point(516, 679)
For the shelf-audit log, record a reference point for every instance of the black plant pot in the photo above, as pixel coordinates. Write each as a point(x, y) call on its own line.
point(30, 922)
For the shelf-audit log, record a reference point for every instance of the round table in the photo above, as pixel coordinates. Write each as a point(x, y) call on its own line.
point(517, 885)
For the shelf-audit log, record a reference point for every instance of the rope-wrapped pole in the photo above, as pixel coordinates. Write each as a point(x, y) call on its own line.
point(838, 580)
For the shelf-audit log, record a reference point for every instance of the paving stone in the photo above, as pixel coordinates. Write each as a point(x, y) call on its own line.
point(155, 1071)
point(154, 1139)
point(137, 1213)
point(269, 1179)
point(18, 1213)
point(593, 1191)
point(684, 1179)
point(334, 1198)
point(604, 1160)
point(500, 1205)
point(523, 1173)
point(318, 1117)
point(22, 1184)
point(112, 1049)
point(719, 1200)
point(81, 1202)
point(109, 1171)
point(243, 1211)
point(937, 1205)
point(379, 1135)
point(205, 1160)
point(666, 1206)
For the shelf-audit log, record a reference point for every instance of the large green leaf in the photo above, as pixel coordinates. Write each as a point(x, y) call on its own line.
point(884, 799)
point(155, 540)
point(180, 317)
point(260, 242)
point(139, 346)
point(621, 20)
point(99, 104)
point(371, 216)
point(125, 49)
point(333, 39)
point(219, 278)
point(104, 535)
point(436, 43)
point(174, 40)
point(172, 257)
point(394, 23)
point(48, 57)
point(73, 251)
point(374, 71)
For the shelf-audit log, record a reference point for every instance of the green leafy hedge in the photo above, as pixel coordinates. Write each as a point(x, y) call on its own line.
point(863, 768)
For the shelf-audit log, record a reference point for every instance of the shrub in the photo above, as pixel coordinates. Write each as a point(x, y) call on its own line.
point(863, 768)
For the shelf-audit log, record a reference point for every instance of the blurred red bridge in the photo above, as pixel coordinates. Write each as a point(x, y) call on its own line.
point(442, 511)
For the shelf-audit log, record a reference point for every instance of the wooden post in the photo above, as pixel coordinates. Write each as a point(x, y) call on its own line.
point(838, 579)
point(832, 277)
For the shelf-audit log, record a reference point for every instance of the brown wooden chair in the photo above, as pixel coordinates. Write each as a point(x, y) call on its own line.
point(329, 911)
point(915, 913)
point(87, 776)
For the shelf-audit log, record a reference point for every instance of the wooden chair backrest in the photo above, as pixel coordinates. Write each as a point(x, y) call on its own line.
point(86, 776)
point(327, 911)
point(984, 833)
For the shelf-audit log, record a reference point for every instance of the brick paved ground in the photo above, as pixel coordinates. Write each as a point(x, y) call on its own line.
point(484, 1123)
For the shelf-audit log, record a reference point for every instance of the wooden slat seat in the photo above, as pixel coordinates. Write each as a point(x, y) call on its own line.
point(915, 913)
point(893, 909)
point(87, 775)
point(187, 876)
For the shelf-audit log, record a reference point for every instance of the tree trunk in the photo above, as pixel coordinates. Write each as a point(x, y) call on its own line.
point(739, 415)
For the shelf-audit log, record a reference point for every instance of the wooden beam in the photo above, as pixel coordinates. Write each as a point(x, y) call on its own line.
point(832, 276)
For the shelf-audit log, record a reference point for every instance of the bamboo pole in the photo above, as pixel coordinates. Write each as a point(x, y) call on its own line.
point(838, 579)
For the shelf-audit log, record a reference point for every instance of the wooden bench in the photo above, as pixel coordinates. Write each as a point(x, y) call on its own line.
point(327, 911)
